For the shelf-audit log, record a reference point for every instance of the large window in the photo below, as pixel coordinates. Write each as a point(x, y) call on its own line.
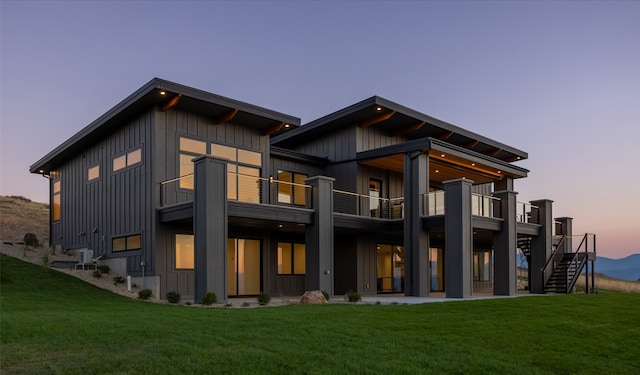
point(243, 169)
point(184, 251)
point(292, 191)
point(189, 149)
point(243, 267)
point(56, 200)
point(128, 159)
point(291, 258)
point(125, 243)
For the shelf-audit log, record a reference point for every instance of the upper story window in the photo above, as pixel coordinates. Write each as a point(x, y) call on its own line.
point(244, 166)
point(127, 160)
point(189, 149)
point(57, 190)
point(292, 191)
point(93, 173)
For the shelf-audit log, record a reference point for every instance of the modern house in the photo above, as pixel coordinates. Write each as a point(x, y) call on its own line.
point(192, 192)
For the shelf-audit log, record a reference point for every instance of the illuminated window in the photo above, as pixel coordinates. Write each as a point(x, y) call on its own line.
point(125, 243)
point(56, 200)
point(189, 149)
point(243, 180)
point(292, 191)
point(291, 258)
point(481, 266)
point(93, 173)
point(127, 160)
point(184, 251)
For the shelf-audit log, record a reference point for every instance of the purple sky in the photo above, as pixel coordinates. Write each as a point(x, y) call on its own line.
point(560, 80)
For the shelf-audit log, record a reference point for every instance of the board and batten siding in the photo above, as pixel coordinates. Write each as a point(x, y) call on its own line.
point(174, 123)
point(116, 204)
point(169, 127)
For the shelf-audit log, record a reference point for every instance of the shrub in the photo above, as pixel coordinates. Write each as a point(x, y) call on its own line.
point(325, 294)
point(97, 274)
point(119, 280)
point(209, 299)
point(104, 269)
point(246, 304)
point(173, 297)
point(353, 296)
point(45, 260)
point(144, 294)
point(30, 239)
point(264, 298)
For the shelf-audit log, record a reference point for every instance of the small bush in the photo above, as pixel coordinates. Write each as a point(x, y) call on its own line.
point(173, 297)
point(53, 249)
point(97, 274)
point(264, 298)
point(145, 294)
point(31, 239)
point(246, 304)
point(325, 294)
point(119, 280)
point(45, 260)
point(209, 299)
point(353, 296)
point(104, 269)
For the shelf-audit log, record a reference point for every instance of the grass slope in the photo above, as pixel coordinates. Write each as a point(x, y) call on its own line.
point(53, 323)
point(19, 215)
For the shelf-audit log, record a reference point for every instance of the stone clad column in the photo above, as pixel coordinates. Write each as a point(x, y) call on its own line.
point(541, 245)
point(210, 227)
point(505, 243)
point(416, 239)
point(458, 246)
point(319, 236)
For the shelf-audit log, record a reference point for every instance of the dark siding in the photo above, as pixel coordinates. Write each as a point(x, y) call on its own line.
point(345, 264)
point(372, 138)
point(337, 146)
point(116, 204)
point(170, 126)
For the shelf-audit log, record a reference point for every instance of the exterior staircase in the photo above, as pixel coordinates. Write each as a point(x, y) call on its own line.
point(565, 273)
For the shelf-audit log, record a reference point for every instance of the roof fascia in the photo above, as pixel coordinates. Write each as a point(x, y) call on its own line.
point(447, 126)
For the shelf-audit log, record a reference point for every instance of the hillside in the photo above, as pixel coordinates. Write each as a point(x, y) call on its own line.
point(626, 268)
point(19, 215)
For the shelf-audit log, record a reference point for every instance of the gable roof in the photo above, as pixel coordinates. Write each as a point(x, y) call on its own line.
point(159, 92)
point(395, 119)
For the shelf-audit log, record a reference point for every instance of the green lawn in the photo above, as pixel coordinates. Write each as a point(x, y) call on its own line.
point(53, 323)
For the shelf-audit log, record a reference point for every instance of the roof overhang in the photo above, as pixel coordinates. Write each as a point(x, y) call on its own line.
point(396, 120)
point(446, 161)
point(165, 95)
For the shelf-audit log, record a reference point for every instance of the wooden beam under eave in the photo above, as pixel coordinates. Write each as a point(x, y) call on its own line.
point(226, 117)
point(171, 103)
point(444, 136)
point(494, 152)
point(406, 129)
point(273, 129)
point(374, 120)
point(470, 144)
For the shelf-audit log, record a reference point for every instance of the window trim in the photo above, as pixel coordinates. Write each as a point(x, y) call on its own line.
point(127, 164)
point(126, 238)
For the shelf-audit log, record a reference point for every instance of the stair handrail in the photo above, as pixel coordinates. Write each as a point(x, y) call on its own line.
point(553, 259)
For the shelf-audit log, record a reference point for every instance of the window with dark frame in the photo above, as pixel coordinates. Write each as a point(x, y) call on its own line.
point(126, 243)
point(291, 258)
point(292, 190)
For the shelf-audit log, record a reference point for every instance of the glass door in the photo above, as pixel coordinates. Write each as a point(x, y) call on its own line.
point(436, 259)
point(243, 267)
point(390, 268)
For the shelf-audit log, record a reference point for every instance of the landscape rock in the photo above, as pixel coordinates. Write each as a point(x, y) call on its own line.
point(313, 297)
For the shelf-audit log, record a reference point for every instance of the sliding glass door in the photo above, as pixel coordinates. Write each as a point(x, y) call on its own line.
point(243, 267)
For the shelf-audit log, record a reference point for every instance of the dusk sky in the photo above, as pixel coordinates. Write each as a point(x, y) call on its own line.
point(559, 80)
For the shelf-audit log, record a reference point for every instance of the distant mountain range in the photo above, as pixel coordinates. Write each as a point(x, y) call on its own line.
point(626, 268)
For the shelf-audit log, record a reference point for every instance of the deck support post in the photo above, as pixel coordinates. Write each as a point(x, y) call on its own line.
point(458, 238)
point(505, 242)
point(320, 236)
point(210, 227)
point(541, 245)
